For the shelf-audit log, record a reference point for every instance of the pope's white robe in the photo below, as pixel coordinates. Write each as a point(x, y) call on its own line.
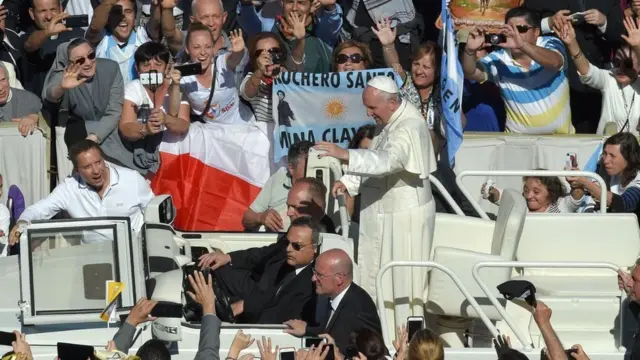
point(397, 213)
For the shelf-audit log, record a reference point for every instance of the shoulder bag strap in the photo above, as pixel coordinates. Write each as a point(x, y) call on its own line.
point(213, 89)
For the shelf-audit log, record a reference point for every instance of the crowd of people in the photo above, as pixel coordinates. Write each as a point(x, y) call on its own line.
point(119, 88)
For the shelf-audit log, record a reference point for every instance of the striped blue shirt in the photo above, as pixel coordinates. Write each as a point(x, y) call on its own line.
point(536, 99)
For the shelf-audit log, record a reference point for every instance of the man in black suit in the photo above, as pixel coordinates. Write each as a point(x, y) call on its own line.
point(270, 284)
point(598, 35)
point(349, 308)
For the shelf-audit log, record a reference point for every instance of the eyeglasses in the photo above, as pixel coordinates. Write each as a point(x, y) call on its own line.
point(523, 28)
point(274, 50)
point(90, 56)
point(343, 58)
point(296, 246)
point(322, 276)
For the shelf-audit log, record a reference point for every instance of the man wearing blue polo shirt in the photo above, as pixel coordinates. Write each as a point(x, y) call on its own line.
point(530, 72)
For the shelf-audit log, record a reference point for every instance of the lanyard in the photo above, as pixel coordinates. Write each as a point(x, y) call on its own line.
point(627, 109)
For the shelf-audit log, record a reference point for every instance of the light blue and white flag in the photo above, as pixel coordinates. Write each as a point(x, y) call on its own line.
point(320, 107)
point(452, 81)
point(592, 163)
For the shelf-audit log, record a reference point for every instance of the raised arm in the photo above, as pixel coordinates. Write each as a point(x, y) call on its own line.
point(549, 58)
point(300, 33)
point(37, 38)
point(238, 50)
point(387, 37)
point(99, 21)
point(475, 41)
point(567, 34)
point(170, 31)
point(329, 22)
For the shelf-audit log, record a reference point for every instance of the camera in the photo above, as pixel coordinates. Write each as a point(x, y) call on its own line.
point(151, 78)
point(577, 18)
point(277, 57)
point(143, 113)
point(495, 39)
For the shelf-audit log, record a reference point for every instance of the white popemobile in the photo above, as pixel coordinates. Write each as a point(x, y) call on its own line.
point(56, 290)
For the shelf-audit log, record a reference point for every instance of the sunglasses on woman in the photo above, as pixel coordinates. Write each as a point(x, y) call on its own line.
point(343, 58)
point(623, 62)
point(90, 56)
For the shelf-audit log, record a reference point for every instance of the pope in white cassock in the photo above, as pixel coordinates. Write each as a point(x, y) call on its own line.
point(397, 213)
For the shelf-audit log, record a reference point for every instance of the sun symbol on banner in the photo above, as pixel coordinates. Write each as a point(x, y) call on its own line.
point(335, 108)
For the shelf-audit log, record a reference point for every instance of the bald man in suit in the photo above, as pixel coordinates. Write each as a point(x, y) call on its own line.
point(349, 308)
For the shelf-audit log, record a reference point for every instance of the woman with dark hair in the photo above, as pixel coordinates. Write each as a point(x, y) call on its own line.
point(351, 56)
point(420, 84)
point(363, 137)
point(151, 108)
point(370, 344)
point(621, 160)
point(544, 194)
point(269, 58)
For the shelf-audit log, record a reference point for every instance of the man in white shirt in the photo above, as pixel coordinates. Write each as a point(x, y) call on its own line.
point(270, 207)
point(96, 189)
point(348, 308)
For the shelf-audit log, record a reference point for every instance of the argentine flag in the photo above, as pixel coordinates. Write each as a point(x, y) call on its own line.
point(452, 80)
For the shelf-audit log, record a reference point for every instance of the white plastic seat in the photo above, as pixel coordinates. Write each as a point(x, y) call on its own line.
point(578, 286)
point(444, 298)
point(585, 302)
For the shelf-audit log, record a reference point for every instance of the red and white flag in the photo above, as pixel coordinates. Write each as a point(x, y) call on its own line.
point(213, 173)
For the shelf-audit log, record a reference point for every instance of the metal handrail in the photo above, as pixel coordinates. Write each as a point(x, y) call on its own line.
point(565, 173)
point(342, 202)
point(533, 264)
point(429, 264)
point(446, 195)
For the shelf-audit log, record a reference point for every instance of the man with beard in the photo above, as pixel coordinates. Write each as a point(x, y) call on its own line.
point(112, 31)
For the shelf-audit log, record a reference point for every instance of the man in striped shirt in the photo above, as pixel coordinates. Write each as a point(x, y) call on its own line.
point(530, 71)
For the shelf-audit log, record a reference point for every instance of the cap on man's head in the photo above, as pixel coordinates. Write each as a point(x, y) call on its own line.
point(384, 83)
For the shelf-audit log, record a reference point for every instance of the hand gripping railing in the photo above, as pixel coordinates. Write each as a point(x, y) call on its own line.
point(428, 264)
point(534, 264)
point(541, 173)
point(342, 202)
point(446, 195)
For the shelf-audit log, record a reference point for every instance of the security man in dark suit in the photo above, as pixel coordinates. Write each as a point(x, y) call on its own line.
point(598, 32)
point(267, 285)
point(349, 308)
point(627, 282)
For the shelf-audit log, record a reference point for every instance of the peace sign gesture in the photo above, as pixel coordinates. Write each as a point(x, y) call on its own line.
point(71, 77)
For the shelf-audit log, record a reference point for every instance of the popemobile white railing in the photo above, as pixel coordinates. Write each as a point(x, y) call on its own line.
point(428, 264)
point(541, 173)
point(446, 195)
point(342, 202)
point(537, 264)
